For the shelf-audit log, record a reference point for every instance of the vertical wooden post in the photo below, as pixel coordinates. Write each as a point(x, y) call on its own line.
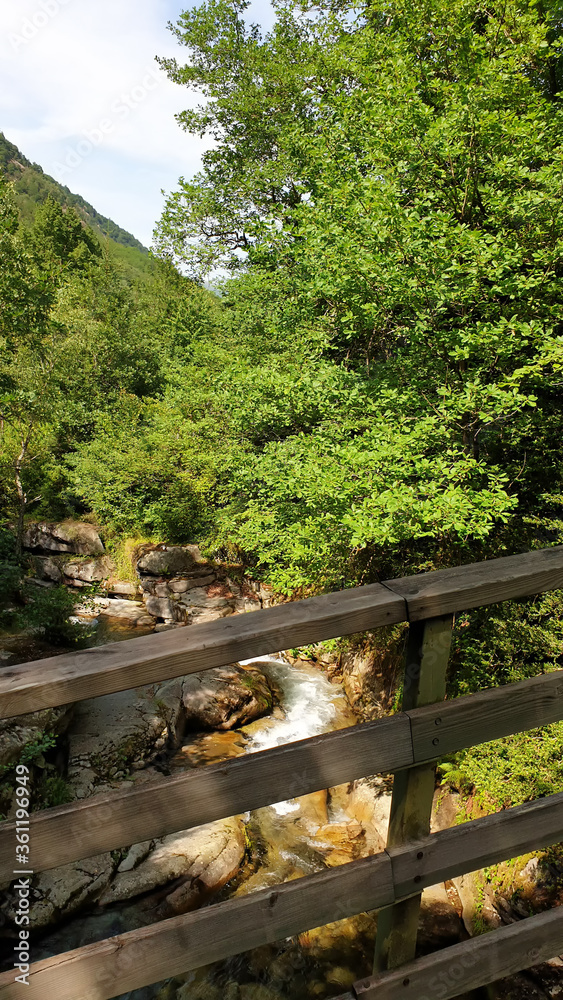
point(426, 661)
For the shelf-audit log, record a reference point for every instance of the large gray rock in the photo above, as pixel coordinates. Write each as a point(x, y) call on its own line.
point(181, 586)
point(45, 568)
point(75, 537)
point(111, 734)
point(200, 598)
point(82, 572)
point(134, 612)
point(172, 560)
point(205, 858)
point(123, 588)
point(160, 607)
point(225, 697)
point(59, 893)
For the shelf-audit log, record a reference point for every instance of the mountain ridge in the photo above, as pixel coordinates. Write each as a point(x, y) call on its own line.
point(32, 187)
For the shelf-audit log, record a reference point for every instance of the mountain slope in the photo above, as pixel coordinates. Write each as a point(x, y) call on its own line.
point(32, 187)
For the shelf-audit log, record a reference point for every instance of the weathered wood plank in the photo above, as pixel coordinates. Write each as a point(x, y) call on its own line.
point(429, 595)
point(117, 819)
point(105, 822)
point(473, 963)
point(476, 844)
point(129, 961)
point(488, 715)
point(60, 680)
point(424, 683)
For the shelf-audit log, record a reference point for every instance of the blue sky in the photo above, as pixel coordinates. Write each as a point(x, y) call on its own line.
point(81, 94)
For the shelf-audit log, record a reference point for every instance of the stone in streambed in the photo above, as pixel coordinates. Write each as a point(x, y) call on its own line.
point(206, 858)
point(136, 854)
point(226, 697)
point(118, 731)
point(134, 612)
point(159, 607)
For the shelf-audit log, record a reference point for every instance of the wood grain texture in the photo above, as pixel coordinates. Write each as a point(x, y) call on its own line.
point(111, 967)
point(429, 595)
point(117, 819)
point(473, 963)
point(129, 961)
point(482, 842)
point(60, 680)
point(488, 715)
point(424, 683)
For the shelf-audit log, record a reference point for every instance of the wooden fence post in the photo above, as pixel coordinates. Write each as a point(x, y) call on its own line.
point(426, 661)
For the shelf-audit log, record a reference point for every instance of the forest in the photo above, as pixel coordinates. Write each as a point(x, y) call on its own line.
point(373, 385)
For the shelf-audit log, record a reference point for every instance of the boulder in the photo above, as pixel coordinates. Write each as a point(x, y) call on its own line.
point(134, 612)
point(439, 924)
point(45, 568)
point(83, 572)
point(159, 607)
point(205, 858)
point(363, 682)
point(226, 697)
point(24, 730)
point(111, 734)
point(122, 588)
point(59, 893)
point(182, 585)
point(198, 597)
point(74, 537)
point(171, 560)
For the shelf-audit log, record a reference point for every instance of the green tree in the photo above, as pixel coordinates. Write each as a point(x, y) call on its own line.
point(389, 181)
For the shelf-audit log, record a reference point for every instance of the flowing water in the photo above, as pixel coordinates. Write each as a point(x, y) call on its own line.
point(289, 840)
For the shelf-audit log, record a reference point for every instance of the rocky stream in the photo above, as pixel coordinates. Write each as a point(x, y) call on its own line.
point(190, 722)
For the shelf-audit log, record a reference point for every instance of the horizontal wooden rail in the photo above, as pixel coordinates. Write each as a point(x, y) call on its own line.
point(473, 963)
point(132, 815)
point(482, 842)
point(129, 961)
point(60, 680)
point(154, 809)
point(430, 595)
point(449, 726)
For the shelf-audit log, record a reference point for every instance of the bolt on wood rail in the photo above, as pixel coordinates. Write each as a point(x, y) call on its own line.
point(408, 744)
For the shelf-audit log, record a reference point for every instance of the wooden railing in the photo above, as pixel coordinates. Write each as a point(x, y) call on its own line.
point(408, 744)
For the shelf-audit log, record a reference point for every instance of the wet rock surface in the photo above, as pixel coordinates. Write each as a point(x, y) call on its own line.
point(198, 862)
point(226, 697)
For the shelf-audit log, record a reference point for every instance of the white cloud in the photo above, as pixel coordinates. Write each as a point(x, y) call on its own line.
point(69, 66)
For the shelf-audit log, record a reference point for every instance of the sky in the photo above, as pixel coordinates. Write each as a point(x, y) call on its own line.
point(82, 95)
